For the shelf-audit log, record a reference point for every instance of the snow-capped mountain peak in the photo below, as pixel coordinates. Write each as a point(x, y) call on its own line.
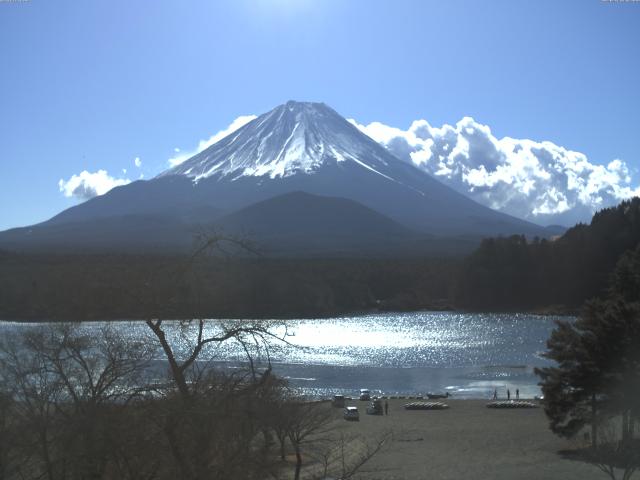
point(296, 137)
point(299, 174)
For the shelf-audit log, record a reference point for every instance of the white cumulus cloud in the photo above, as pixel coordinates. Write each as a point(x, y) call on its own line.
point(539, 181)
point(87, 185)
point(137, 162)
point(203, 144)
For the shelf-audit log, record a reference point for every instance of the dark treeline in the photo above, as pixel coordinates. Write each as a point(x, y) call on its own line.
point(503, 274)
point(80, 287)
point(592, 388)
point(513, 273)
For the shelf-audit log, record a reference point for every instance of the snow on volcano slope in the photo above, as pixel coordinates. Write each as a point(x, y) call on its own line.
point(297, 137)
point(296, 147)
point(309, 147)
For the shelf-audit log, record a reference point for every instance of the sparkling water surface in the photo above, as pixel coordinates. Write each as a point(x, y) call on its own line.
point(466, 354)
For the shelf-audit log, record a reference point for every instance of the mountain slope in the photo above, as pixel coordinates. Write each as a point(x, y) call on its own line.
point(309, 147)
point(298, 223)
point(296, 147)
point(121, 233)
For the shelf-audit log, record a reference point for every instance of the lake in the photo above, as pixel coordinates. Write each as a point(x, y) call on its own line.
point(466, 354)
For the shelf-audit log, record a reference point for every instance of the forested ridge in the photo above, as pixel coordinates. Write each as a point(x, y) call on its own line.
point(514, 273)
point(503, 274)
point(105, 287)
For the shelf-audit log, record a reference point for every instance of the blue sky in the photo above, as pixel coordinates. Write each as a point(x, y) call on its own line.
point(94, 84)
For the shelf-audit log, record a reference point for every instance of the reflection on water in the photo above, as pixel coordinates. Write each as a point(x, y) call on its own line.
point(467, 354)
point(420, 339)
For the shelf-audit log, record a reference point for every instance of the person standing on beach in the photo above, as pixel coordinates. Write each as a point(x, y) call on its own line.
point(517, 394)
point(386, 407)
point(508, 394)
point(495, 393)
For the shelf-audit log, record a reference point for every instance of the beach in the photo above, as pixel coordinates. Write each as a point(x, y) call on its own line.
point(466, 441)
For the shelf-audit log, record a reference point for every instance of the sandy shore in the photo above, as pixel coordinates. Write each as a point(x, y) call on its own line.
point(467, 441)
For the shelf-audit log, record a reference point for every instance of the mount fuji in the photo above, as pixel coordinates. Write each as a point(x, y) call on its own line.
point(298, 179)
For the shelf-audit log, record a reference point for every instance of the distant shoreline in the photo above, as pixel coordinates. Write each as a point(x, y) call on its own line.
point(555, 311)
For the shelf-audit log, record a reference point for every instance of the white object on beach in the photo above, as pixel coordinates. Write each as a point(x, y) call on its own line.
point(426, 406)
point(511, 404)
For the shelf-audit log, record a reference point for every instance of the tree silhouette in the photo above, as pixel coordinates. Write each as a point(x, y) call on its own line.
point(515, 273)
point(596, 378)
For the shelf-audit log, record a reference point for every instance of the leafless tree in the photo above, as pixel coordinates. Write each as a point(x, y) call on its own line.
point(201, 333)
point(306, 422)
point(206, 400)
point(345, 455)
point(8, 436)
point(614, 454)
point(68, 386)
point(83, 402)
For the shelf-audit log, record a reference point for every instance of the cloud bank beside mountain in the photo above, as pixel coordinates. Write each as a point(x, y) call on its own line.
point(86, 185)
point(537, 181)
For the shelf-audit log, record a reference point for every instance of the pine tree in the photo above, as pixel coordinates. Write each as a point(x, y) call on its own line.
point(597, 370)
point(570, 388)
